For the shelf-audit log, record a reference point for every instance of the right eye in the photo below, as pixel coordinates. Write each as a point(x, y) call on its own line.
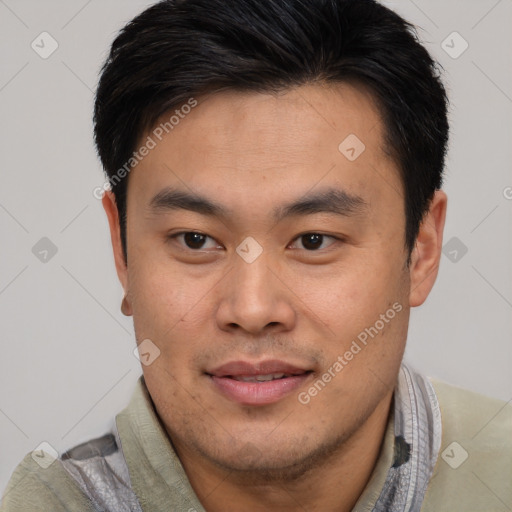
point(193, 240)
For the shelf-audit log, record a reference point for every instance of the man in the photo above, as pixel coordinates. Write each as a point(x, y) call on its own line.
point(275, 211)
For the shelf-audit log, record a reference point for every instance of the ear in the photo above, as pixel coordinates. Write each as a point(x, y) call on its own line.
point(426, 254)
point(110, 207)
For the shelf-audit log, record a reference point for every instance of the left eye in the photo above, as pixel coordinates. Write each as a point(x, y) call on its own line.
point(194, 240)
point(314, 241)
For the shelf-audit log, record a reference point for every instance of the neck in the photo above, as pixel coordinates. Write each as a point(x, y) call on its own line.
point(346, 469)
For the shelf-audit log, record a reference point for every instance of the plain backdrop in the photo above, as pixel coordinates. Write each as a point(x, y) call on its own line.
point(66, 362)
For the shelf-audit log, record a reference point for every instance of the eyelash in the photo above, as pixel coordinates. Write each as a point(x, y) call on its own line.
point(334, 238)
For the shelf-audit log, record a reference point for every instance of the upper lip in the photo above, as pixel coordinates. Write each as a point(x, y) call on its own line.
point(266, 367)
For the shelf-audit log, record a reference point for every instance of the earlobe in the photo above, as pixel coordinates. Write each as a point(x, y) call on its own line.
point(426, 254)
point(110, 207)
point(126, 307)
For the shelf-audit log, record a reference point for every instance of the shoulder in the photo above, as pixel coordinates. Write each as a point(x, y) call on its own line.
point(458, 403)
point(35, 487)
point(89, 477)
point(474, 466)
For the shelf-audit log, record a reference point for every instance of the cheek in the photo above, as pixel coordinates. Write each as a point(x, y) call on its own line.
point(366, 305)
point(358, 292)
point(159, 300)
point(171, 310)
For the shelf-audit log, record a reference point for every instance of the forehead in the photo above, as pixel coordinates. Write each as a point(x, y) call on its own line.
point(251, 146)
point(304, 120)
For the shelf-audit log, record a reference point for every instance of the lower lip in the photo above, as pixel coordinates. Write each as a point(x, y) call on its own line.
point(258, 393)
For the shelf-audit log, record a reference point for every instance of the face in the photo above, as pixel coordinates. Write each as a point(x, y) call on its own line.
point(259, 248)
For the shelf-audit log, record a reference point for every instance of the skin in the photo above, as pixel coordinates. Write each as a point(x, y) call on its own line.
point(203, 307)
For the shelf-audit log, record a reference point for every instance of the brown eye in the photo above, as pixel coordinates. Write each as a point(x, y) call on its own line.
point(314, 241)
point(194, 240)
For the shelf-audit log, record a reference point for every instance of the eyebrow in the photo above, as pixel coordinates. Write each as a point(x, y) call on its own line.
point(329, 200)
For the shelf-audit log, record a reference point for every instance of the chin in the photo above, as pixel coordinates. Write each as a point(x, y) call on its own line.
point(269, 460)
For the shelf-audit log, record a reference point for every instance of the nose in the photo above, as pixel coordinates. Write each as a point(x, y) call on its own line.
point(254, 299)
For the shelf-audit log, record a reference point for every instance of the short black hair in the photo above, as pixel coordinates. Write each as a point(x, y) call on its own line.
point(180, 49)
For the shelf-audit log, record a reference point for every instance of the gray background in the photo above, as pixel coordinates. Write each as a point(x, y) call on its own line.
point(67, 364)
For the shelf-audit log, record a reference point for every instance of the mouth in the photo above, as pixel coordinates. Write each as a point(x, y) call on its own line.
point(260, 378)
point(260, 383)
